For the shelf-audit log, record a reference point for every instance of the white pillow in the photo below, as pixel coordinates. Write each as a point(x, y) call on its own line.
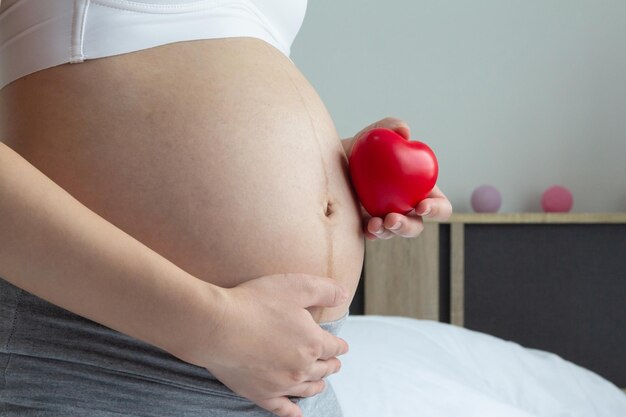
point(399, 366)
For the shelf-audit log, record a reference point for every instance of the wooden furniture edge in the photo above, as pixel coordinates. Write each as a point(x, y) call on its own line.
point(457, 222)
point(402, 276)
point(457, 273)
point(535, 218)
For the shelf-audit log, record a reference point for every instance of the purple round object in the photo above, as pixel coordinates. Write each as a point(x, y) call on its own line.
point(486, 199)
point(557, 199)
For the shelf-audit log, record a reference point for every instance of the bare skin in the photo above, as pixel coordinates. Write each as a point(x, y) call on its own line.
point(217, 154)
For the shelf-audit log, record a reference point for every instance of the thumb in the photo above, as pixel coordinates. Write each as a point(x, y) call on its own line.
point(322, 291)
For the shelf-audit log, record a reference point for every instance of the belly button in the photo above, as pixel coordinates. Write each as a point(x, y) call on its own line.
point(329, 209)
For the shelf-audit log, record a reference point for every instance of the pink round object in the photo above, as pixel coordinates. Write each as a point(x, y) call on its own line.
point(557, 199)
point(486, 199)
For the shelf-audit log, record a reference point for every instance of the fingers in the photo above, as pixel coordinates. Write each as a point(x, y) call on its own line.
point(436, 207)
point(314, 383)
point(322, 368)
point(285, 407)
point(405, 226)
point(313, 386)
point(332, 346)
point(308, 389)
point(321, 291)
point(375, 228)
point(394, 224)
point(395, 124)
point(281, 406)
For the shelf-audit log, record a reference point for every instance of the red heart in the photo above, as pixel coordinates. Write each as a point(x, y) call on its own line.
point(391, 173)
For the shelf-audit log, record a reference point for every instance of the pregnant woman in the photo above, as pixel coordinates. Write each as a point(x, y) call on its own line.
point(178, 231)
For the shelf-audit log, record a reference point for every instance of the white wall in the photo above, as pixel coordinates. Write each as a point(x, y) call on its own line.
point(521, 94)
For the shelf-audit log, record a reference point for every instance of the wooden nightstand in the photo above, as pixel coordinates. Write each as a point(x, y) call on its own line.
point(555, 282)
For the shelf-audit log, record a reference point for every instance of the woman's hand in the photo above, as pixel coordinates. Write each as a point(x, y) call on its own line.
point(436, 206)
point(266, 344)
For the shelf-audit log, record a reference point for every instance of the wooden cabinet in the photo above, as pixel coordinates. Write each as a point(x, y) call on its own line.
point(555, 282)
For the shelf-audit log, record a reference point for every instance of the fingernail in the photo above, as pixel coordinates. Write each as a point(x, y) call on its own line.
point(396, 226)
point(379, 231)
point(425, 212)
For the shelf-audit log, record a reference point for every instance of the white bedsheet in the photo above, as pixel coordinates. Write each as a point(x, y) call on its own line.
point(403, 367)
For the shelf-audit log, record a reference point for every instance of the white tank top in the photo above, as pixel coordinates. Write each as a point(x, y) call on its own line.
point(38, 34)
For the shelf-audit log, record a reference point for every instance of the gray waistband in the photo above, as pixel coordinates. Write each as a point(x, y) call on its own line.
point(335, 325)
point(78, 360)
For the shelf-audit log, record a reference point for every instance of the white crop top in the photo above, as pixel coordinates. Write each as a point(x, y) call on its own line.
point(38, 34)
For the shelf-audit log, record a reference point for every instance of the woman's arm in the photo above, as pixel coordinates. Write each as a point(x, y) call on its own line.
point(53, 246)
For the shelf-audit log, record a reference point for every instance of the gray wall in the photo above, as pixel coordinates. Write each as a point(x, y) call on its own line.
point(519, 94)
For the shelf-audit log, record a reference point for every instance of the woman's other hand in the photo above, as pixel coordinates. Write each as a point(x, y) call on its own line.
point(435, 206)
point(266, 344)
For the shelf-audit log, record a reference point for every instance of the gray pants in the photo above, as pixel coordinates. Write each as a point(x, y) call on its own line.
point(54, 363)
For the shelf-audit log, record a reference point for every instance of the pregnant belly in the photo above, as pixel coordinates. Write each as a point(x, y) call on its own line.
point(217, 154)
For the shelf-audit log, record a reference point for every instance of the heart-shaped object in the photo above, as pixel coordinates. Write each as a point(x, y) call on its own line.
point(391, 173)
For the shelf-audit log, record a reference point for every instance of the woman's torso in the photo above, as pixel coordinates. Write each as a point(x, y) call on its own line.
point(216, 153)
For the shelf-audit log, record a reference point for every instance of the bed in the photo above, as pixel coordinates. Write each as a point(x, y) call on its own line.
point(400, 366)
point(414, 345)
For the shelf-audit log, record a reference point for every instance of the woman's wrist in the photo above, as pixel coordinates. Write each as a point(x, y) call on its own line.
point(205, 309)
